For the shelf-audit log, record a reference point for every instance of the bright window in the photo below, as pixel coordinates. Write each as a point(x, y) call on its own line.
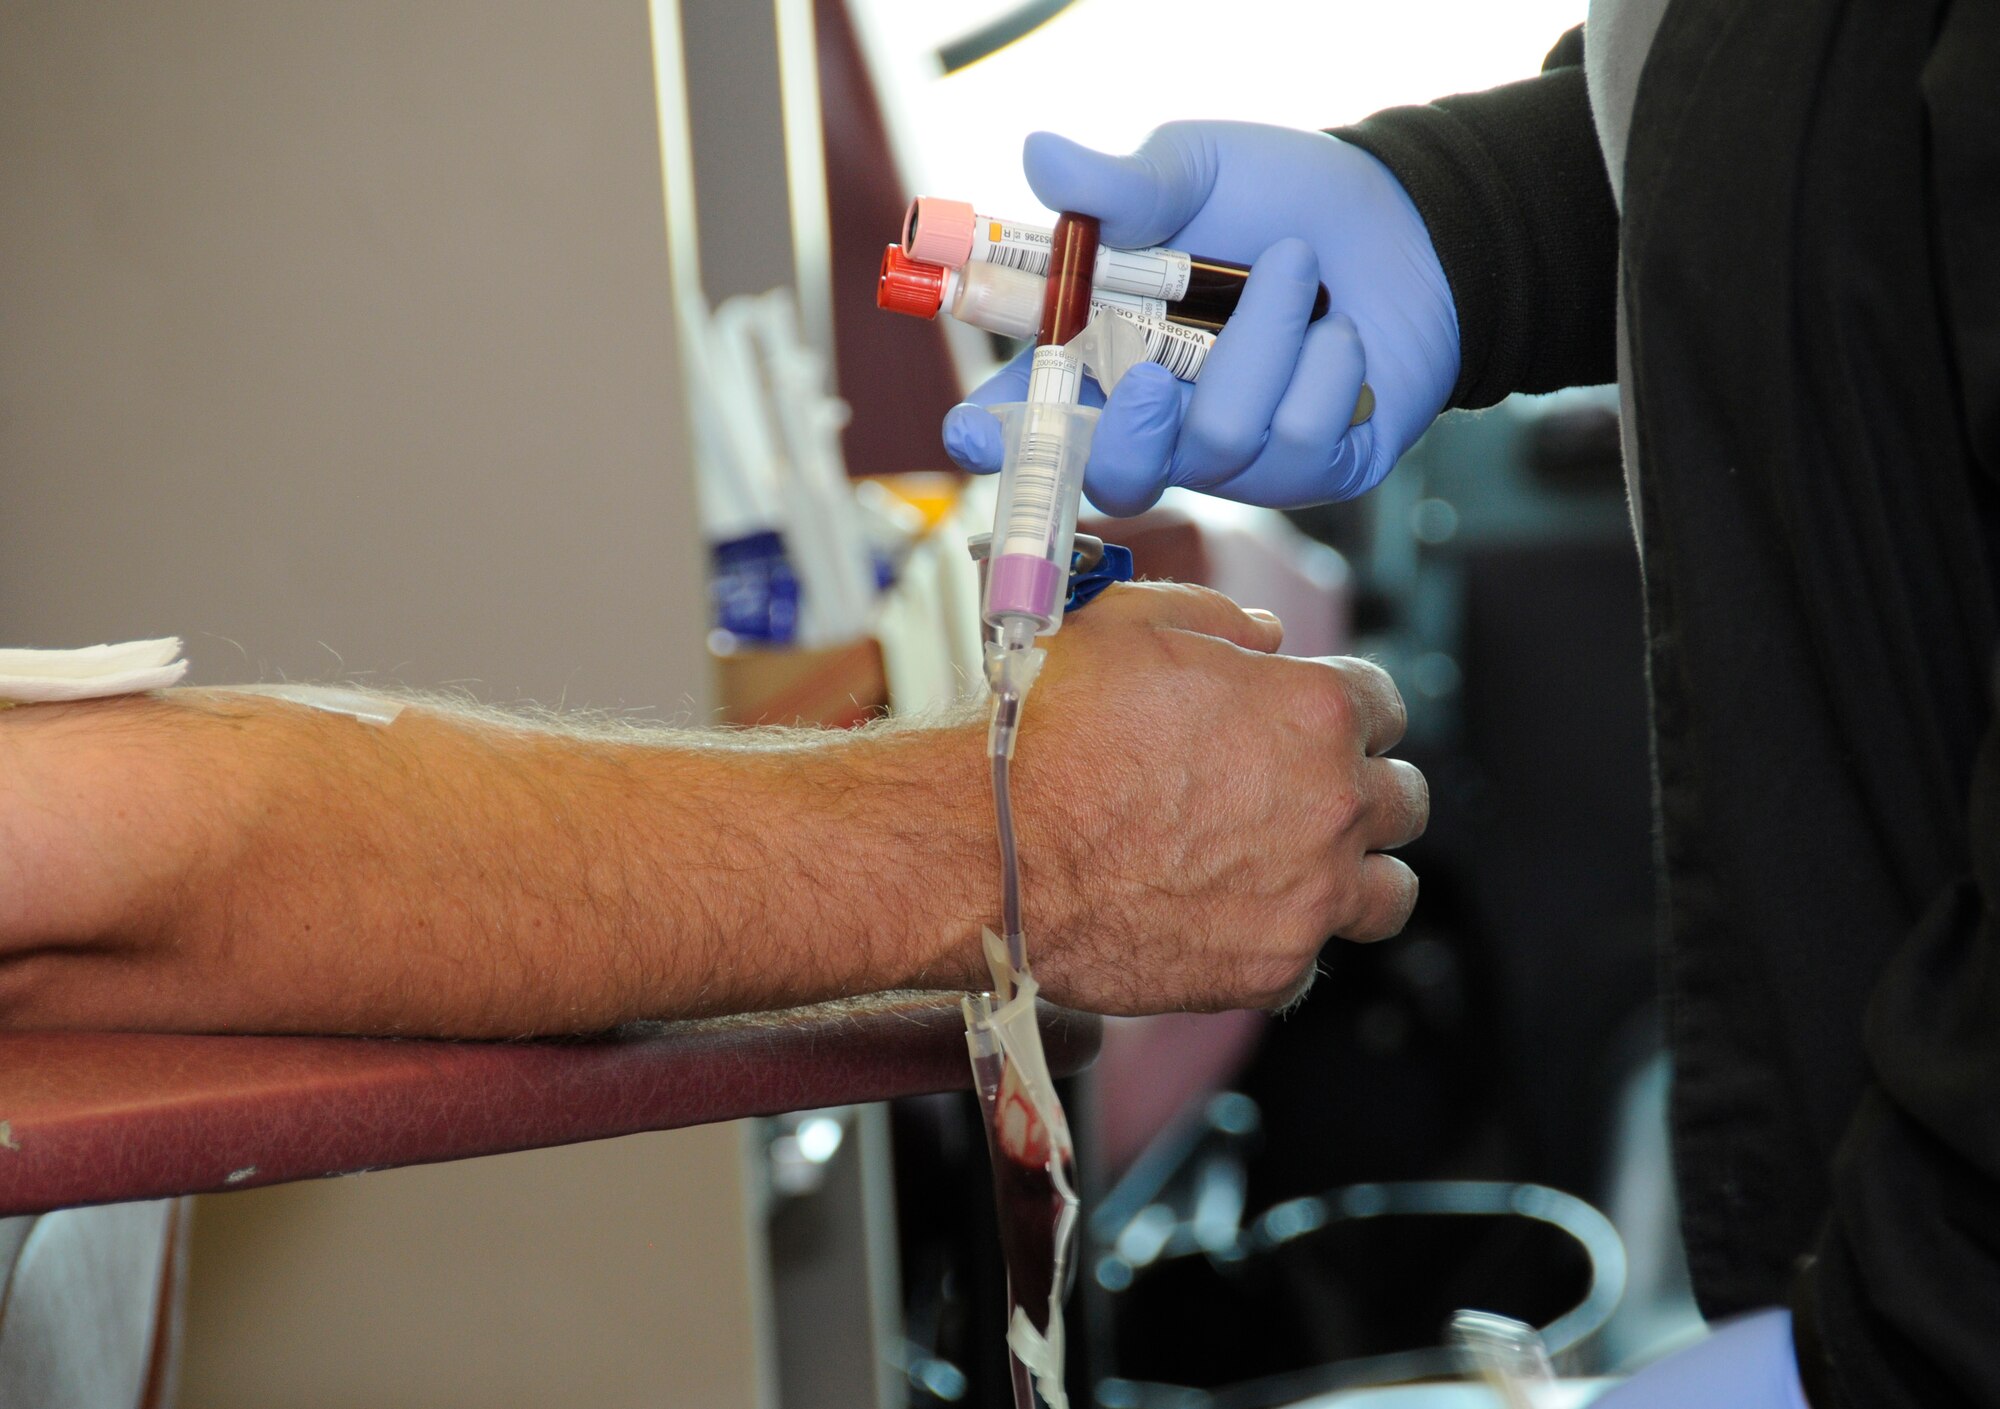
point(1107, 71)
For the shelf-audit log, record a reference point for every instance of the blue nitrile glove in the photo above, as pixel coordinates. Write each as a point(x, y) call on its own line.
point(1268, 423)
point(1747, 1363)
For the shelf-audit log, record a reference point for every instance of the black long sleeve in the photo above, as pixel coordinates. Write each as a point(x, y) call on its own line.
point(1512, 186)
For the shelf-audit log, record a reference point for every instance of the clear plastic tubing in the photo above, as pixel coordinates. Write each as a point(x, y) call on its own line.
point(1046, 441)
point(1199, 291)
point(1008, 301)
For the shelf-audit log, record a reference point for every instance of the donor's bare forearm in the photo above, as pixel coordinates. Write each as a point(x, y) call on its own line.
point(205, 861)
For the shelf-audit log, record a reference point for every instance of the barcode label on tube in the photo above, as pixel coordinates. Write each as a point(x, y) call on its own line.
point(1023, 257)
point(1054, 377)
point(1031, 517)
point(1055, 380)
point(1033, 514)
point(1011, 246)
point(1156, 273)
point(1181, 350)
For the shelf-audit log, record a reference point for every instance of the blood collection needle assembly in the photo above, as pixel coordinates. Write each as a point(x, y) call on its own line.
point(1028, 564)
point(1093, 312)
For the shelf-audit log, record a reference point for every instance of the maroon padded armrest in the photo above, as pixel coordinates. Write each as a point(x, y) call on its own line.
point(89, 1118)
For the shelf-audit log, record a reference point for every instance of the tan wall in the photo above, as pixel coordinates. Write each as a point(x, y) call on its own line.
point(336, 337)
point(344, 322)
point(608, 1274)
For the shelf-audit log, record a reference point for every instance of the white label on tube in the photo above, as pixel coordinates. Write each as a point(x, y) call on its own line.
point(1154, 273)
point(1012, 246)
point(1056, 380)
point(1056, 376)
point(1132, 305)
point(1149, 273)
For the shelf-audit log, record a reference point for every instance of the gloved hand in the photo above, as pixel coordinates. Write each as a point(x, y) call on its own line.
point(1268, 422)
point(1747, 1363)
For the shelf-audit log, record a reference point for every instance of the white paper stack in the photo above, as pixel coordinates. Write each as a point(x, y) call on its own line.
point(90, 672)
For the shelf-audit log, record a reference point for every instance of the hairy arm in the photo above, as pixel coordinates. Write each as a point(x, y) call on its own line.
point(203, 860)
point(1196, 817)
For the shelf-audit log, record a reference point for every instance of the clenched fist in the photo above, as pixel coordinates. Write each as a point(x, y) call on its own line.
point(1199, 814)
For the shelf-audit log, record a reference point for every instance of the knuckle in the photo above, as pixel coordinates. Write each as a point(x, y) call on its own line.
point(1399, 898)
point(1410, 796)
point(1301, 443)
point(1303, 428)
point(1368, 676)
point(1328, 703)
point(1305, 437)
point(1376, 902)
point(1372, 685)
point(1412, 892)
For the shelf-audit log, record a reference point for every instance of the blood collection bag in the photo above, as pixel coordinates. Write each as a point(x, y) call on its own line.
point(1034, 1171)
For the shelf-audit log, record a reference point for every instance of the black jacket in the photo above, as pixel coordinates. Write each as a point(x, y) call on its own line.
point(1811, 269)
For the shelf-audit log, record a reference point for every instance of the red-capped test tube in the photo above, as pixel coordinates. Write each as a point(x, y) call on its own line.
point(1046, 442)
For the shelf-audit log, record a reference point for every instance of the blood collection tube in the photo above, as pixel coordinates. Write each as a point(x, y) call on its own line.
point(1009, 302)
point(1047, 441)
point(1073, 252)
point(1199, 291)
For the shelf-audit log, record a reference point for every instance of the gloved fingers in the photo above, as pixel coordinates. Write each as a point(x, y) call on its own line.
point(1247, 374)
point(1141, 199)
point(1314, 453)
point(1010, 383)
point(1134, 441)
point(972, 434)
point(972, 438)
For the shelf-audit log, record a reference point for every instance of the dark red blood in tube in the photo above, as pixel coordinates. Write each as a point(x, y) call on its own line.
point(1072, 261)
point(1215, 286)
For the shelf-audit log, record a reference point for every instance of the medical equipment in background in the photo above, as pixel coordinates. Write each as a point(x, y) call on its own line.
point(792, 561)
point(1197, 291)
point(1185, 1203)
point(1507, 1355)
